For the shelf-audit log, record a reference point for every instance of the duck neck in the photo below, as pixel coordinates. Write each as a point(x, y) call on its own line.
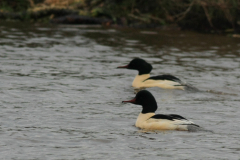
point(139, 79)
point(146, 68)
point(149, 108)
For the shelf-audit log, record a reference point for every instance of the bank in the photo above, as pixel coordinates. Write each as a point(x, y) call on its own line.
point(218, 16)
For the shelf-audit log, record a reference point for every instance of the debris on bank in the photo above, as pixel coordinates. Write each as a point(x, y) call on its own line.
point(77, 19)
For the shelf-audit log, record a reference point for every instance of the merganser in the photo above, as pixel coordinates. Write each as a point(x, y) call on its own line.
point(148, 120)
point(143, 79)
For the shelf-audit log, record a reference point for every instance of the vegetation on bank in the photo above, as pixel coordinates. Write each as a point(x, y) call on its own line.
point(188, 14)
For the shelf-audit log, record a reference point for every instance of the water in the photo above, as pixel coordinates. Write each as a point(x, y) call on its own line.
point(61, 93)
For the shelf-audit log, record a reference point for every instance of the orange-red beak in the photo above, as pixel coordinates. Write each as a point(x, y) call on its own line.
point(123, 66)
point(130, 101)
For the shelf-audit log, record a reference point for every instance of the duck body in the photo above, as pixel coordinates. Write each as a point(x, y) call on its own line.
point(162, 81)
point(148, 120)
point(143, 79)
point(151, 121)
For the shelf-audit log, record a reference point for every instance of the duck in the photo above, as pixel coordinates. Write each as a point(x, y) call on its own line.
point(149, 121)
point(143, 79)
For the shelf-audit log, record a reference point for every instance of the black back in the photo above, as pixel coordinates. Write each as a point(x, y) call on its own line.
point(171, 117)
point(168, 117)
point(177, 116)
point(141, 65)
point(164, 77)
point(147, 101)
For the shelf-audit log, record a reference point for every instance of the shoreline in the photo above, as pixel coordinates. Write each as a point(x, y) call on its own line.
point(197, 15)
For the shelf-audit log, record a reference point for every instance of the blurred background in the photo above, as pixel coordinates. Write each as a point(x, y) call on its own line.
point(201, 15)
point(61, 94)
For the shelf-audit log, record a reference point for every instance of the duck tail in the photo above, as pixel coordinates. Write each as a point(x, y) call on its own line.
point(189, 87)
point(196, 128)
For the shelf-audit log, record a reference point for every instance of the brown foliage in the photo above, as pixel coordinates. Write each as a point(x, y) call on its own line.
point(59, 2)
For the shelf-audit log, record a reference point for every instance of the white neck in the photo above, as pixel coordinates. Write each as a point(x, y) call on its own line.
point(137, 82)
point(142, 117)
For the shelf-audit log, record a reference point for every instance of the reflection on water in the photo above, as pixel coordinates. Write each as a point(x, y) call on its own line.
point(61, 94)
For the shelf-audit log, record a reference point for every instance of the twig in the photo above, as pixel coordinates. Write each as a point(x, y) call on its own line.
point(151, 17)
point(203, 4)
point(137, 17)
point(31, 3)
point(185, 12)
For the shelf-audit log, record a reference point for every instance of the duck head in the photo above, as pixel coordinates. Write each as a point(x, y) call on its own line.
point(146, 100)
point(139, 64)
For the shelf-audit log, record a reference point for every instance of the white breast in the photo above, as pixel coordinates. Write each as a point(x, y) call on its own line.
point(138, 81)
point(143, 118)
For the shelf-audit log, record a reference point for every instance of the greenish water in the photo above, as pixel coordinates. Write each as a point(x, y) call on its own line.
point(61, 93)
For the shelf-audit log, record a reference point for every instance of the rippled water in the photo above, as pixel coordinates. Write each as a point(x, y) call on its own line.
point(61, 93)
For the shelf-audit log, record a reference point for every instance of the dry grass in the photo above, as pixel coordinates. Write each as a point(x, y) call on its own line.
point(55, 4)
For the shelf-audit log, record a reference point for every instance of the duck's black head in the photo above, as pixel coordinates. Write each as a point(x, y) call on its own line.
point(139, 64)
point(146, 100)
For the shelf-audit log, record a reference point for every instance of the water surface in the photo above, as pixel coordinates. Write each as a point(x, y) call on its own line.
point(61, 93)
